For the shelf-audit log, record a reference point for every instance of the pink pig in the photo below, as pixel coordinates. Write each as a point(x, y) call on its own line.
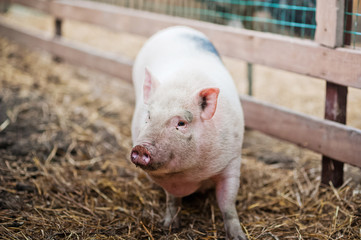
point(188, 122)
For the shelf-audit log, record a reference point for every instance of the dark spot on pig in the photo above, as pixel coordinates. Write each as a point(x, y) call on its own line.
point(203, 43)
point(188, 116)
point(171, 156)
point(190, 138)
point(204, 103)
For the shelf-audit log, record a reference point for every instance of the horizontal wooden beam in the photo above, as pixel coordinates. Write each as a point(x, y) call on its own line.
point(329, 138)
point(340, 65)
point(72, 52)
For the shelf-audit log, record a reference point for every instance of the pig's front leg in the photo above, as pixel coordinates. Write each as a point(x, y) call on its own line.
point(173, 205)
point(226, 190)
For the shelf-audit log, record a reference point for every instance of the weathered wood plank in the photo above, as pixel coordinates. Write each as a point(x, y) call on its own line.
point(326, 137)
point(341, 66)
point(329, 18)
point(74, 53)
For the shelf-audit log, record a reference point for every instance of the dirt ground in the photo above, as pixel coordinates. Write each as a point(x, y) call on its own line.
point(64, 155)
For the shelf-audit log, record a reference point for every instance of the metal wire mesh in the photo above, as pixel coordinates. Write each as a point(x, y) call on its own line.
point(352, 29)
point(287, 17)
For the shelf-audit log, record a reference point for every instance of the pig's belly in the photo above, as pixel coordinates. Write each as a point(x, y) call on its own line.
point(180, 187)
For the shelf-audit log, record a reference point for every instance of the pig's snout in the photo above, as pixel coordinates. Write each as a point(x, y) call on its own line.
point(140, 156)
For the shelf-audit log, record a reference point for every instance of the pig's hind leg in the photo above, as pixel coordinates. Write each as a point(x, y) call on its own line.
point(227, 185)
point(173, 205)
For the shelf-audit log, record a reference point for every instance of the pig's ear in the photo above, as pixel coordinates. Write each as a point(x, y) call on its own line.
point(149, 86)
point(208, 102)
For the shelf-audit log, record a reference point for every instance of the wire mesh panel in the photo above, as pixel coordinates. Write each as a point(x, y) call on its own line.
point(352, 30)
point(287, 17)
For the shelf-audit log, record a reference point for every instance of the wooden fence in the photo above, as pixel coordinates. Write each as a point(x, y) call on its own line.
point(323, 58)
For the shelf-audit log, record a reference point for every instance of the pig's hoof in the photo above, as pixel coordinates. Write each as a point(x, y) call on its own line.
point(241, 236)
point(236, 234)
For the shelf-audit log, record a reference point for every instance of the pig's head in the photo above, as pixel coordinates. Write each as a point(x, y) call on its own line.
point(177, 122)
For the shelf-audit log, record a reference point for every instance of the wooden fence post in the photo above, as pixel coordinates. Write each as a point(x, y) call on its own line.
point(329, 32)
point(58, 25)
point(250, 78)
point(57, 34)
point(335, 110)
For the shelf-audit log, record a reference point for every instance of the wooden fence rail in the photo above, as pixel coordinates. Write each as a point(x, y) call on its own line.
point(337, 65)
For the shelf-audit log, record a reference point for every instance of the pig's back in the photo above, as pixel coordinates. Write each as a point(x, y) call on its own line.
point(181, 47)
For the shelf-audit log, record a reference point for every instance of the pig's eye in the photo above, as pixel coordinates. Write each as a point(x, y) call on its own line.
point(181, 124)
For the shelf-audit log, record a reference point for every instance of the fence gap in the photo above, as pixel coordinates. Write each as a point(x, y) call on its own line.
point(58, 23)
point(348, 23)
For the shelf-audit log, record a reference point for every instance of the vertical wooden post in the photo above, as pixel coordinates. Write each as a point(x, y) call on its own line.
point(329, 32)
point(58, 32)
point(250, 78)
point(335, 110)
point(330, 22)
